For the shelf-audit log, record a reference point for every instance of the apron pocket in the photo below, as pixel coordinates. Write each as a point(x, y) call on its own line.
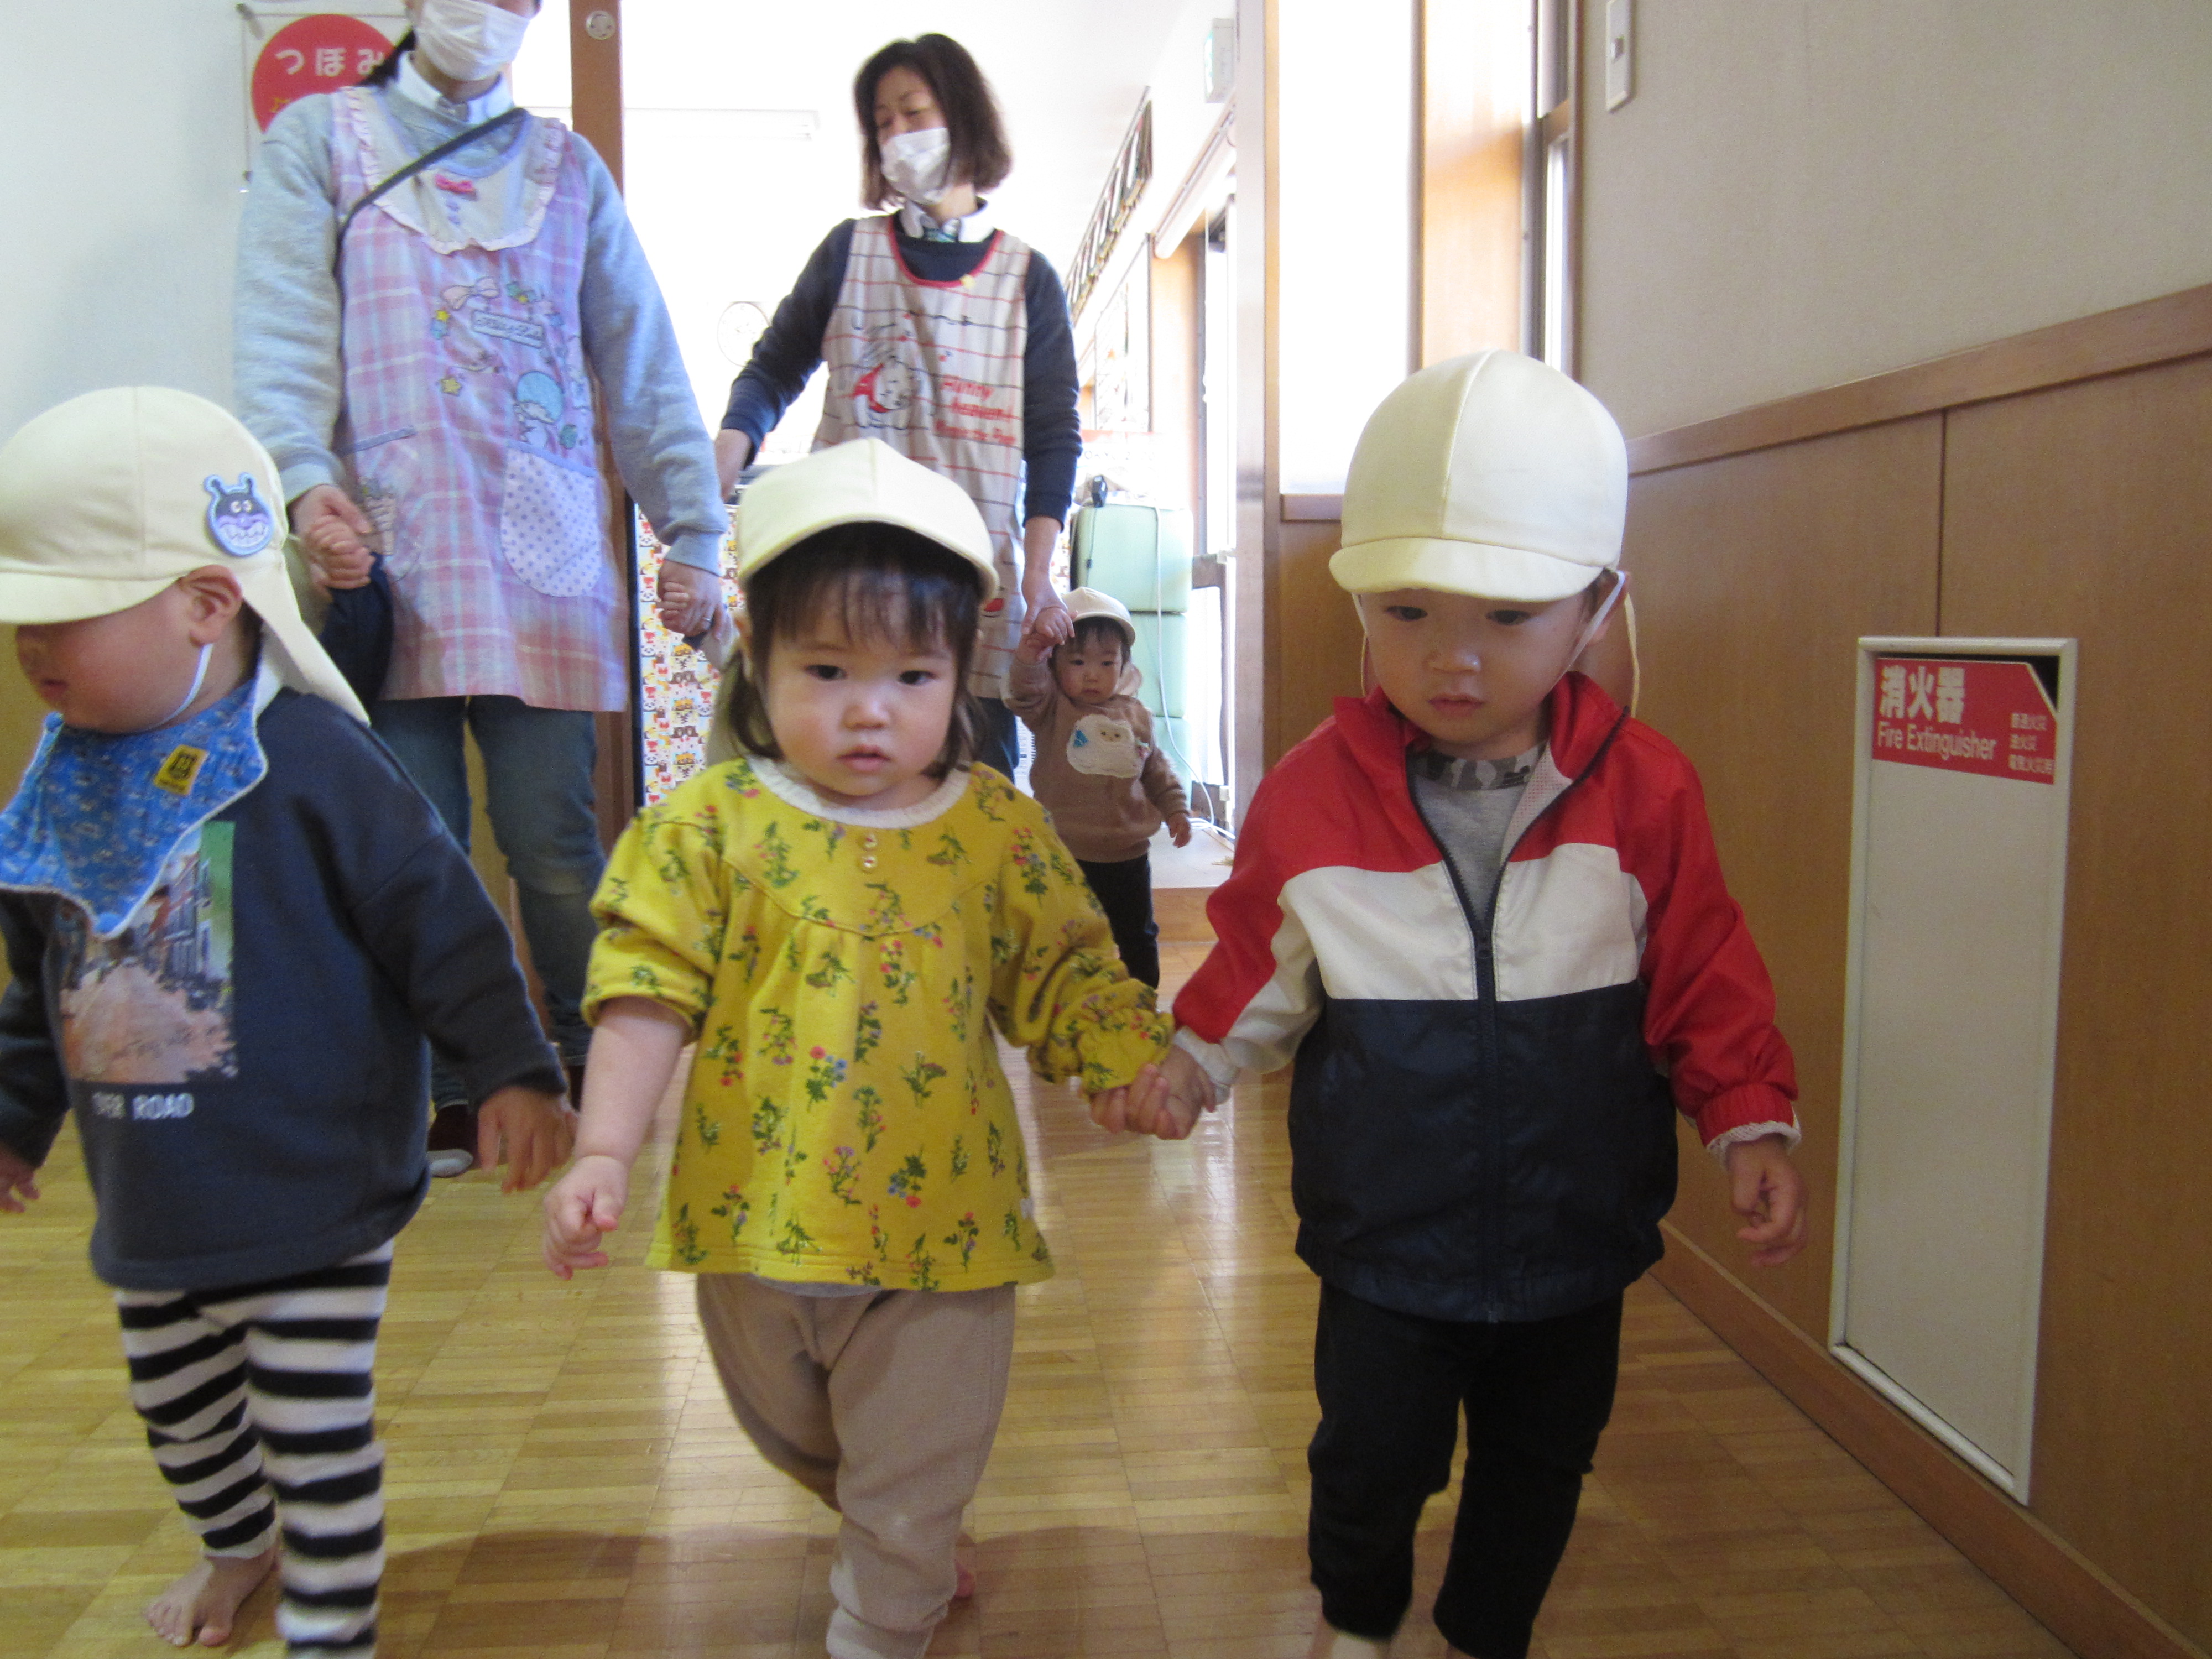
point(551, 529)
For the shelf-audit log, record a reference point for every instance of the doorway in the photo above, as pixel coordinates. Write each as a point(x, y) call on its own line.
point(739, 152)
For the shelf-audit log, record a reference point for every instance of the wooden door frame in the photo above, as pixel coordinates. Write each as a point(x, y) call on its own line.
point(596, 114)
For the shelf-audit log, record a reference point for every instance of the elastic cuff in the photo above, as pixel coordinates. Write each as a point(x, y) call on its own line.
point(851, 1636)
point(1719, 1145)
point(699, 548)
point(297, 479)
point(1212, 1059)
point(261, 1544)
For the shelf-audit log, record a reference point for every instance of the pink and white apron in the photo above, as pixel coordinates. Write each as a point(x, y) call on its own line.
point(468, 421)
point(934, 370)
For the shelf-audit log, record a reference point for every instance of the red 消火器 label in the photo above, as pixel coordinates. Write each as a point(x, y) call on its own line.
point(1970, 716)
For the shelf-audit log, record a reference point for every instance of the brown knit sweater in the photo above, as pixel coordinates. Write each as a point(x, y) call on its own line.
point(1096, 770)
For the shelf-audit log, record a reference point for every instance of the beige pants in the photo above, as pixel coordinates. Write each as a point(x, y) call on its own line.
point(885, 1406)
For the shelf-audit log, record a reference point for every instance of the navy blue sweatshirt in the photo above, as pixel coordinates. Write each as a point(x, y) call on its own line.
point(329, 924)
point(1052, 431)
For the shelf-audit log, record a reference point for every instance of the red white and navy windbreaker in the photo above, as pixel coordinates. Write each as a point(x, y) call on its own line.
point(1482, 1120)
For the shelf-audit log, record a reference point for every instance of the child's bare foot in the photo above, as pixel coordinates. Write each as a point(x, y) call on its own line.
point(963, 1568)
point(203, 1604)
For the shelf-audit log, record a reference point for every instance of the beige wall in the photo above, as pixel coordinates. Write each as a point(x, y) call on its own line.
point(1807, 191)
point(124, 123)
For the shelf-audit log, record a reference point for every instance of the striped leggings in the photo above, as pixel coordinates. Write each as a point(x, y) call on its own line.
point(258, 1401)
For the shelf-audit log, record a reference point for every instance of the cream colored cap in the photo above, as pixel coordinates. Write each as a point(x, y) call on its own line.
point(1492, 474)
point(863, 482)
point(107, 499)
point(1086, 603)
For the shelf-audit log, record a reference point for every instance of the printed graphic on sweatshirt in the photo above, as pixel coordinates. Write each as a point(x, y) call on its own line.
point(153, 1004)
point(1105, 747)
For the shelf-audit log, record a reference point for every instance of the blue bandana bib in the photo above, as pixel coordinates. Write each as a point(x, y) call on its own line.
point(99, 815)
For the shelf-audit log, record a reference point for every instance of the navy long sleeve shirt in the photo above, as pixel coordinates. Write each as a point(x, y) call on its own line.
point(356, 928)
point(790, 349)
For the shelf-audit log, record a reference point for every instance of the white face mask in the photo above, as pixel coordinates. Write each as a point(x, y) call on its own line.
point(916, 164)
point(468, 40)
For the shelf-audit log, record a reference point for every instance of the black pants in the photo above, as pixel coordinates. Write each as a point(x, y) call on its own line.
point(1124, 893)
point(996, 745)
point(1392, 1386)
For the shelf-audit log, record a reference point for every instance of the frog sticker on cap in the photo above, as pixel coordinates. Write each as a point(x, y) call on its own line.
point(242, 526)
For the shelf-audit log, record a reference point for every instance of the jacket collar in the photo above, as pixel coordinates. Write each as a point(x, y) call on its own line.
point(1583, 720)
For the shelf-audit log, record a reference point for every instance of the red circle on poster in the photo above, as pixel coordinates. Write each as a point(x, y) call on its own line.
point(313, 54)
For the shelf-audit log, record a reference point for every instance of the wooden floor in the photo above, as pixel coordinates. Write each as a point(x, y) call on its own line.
point(565, 1480)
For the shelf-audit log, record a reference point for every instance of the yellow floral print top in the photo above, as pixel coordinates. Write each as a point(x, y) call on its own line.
point(846, 1119)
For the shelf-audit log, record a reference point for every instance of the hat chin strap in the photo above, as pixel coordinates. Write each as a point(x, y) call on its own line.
point(199, 679)
point(1590, 628)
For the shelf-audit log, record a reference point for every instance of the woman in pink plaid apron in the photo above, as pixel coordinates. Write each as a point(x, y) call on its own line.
point(944, 337)
point(427, 385)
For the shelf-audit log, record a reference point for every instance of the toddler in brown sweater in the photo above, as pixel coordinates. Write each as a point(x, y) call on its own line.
point(1096, 770)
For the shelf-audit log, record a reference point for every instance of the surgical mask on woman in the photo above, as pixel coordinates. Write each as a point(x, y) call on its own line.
point(916, 164)
point(468, 40)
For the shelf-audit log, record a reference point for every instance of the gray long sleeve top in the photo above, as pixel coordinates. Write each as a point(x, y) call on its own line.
point(289, 379)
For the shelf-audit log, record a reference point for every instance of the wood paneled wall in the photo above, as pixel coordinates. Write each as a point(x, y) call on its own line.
point(2081, 507)
point(1177, 417)
point(1313, 634)
point(2086, 511)
point(1753, 577)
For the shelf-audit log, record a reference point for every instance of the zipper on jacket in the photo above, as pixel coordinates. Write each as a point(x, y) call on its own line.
point(1486, 1025)
point(1485, 984)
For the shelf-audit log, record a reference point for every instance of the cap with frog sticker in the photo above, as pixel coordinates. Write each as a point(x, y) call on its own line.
point(105, 500)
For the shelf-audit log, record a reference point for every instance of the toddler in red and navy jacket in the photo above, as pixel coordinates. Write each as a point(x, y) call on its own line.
point(1480, 910)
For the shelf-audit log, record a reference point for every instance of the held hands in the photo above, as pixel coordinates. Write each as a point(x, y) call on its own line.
point(1766, 1190)
point(691, 600)
point(584, 1206)
point(335, 532)
point(1048, 620)
point(1178, 828)
point(18, 1182)
point(1037, 636)
point(1164, 1101)
point(537, 1129)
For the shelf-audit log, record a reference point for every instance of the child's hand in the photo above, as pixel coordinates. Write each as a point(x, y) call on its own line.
point(584, 1206)
point(1164, 1101)
point(1178, 828)
point(17, 1181)
point(1765, 1187)
point(1038, 637)
point(537, 1130)
point(689, 600)
point(332, 526)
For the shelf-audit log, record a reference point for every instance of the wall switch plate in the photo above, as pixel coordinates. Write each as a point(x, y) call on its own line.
point(1220, 59)
point(1619, 51)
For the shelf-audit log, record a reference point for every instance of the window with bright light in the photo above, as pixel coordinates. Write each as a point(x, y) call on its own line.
point(1549, 326)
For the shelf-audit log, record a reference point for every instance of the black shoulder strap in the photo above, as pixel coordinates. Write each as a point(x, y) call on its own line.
point(428, 158)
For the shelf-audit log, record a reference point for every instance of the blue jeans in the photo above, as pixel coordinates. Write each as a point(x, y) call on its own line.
point(539, 795)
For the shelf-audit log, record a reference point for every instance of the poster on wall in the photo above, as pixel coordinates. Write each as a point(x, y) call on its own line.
point(1121, 348)
point(294, 48)
point(1116, 371)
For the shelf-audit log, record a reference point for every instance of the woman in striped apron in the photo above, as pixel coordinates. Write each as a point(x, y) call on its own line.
point(944, 337)
point(434, 384)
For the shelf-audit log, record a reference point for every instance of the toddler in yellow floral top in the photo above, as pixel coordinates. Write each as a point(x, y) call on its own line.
point(839, 917)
